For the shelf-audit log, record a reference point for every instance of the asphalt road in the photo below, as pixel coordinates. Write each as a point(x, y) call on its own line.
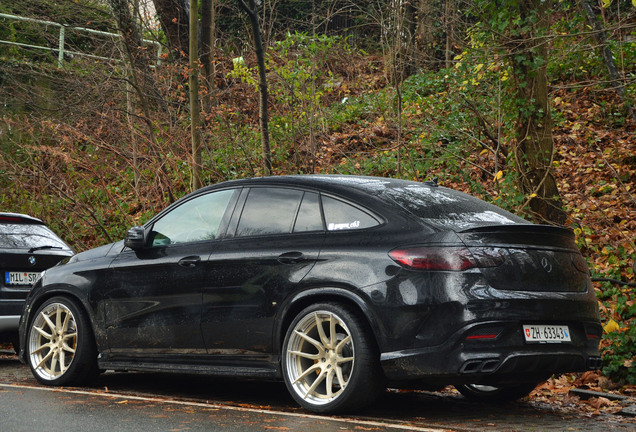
point(28, 409)
point(156, 402)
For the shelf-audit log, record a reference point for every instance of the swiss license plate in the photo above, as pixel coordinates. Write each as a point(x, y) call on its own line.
point(20, 278)
point(539, 333)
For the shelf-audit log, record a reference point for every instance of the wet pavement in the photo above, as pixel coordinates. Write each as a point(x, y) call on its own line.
point(27, 409)
point(163, 402)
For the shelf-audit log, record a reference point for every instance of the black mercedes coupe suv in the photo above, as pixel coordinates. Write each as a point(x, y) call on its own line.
point(338, 285)
point(27, 247)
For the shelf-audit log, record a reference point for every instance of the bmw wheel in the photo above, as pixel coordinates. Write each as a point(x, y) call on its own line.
point(330, 362)
point(487, 393)
point(60, 345)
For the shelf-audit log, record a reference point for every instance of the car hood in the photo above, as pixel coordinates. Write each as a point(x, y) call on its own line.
point(98, 252)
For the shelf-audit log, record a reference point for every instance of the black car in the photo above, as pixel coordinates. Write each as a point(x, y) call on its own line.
point(27, 247)
point(338, 285)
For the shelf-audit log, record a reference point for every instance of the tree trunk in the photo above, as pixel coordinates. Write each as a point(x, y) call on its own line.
point(424, 34)
point(195, 115)
point(137, 55)
point(174, 16)
point(535, 146)
point(141, 79)
point(251, 10)
point(606, 52)
point(208, 36)
point(449, 22)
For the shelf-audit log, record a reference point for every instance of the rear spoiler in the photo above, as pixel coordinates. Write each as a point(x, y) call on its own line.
point(518, 228)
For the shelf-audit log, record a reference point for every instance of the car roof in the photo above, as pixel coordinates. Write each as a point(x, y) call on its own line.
point(19, 218)
point(335, 183)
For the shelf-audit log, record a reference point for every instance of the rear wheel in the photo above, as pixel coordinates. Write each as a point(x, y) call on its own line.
point(60, 344)
point(329, 360)
point(487, 393)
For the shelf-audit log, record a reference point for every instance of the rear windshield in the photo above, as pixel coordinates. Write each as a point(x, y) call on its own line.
point(27, 236)
point(449, 209)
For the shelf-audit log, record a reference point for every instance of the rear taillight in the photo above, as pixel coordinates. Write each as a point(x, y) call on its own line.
point(447, 258)
point(484, 334)
point(438, 258)
point(9, 219)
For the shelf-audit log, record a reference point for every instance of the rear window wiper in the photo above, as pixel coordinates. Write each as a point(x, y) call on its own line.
point(33, 249)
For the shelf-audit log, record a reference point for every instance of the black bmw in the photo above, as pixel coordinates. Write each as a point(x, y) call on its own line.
point(27, 247)
point(338, 285)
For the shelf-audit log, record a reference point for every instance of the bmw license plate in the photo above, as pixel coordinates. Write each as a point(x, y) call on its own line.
point(20, 278)
point(538, 333)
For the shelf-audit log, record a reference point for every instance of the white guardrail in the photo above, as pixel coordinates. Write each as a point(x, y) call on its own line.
point(60, 47)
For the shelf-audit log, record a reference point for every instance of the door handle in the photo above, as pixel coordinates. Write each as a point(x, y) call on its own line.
point(291, 258)
point(190, 261)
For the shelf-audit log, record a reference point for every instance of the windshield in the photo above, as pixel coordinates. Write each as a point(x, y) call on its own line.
point(28, 236)
point(449, 209)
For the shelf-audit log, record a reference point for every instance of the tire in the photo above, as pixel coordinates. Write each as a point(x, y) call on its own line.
point(486, 393)
point(330, 363)
point(60, 344)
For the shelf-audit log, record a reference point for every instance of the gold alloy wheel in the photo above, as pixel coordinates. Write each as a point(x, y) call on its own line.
point(52, 341)
point(320, 357)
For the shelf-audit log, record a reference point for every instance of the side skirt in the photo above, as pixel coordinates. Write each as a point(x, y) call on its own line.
point(262, 372)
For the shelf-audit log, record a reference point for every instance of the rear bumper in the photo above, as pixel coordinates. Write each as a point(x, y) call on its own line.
point(10, 311)
point(9, 323)
point(506, 358)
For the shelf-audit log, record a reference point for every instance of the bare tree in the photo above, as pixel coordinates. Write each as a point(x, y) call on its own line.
point(251, 9)
point(606, 53)
point(449, 25)
point(397, 21)
point(206, 55)
point(195, 113)
point(141, 78)
point(174, 17)
point(535, 146)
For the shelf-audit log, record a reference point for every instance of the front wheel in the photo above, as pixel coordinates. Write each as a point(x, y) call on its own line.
point(330, 363)
point(485, 393)
point(60, 344)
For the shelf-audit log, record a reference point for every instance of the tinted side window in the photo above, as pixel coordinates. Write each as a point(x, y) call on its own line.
point(196, 220)
point(309, 216)
point(269, 211)
point(342, 216)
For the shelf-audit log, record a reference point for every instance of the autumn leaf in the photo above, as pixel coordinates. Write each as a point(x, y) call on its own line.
point(599, 402)
point(611, 326)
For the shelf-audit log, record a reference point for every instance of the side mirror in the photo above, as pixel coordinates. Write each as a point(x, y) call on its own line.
point(135, 238)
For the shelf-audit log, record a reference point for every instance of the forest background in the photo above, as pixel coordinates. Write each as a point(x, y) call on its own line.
point(528, 104)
